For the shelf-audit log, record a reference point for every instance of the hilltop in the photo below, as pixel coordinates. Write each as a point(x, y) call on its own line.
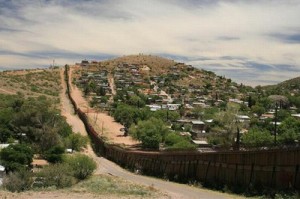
point(171, 76)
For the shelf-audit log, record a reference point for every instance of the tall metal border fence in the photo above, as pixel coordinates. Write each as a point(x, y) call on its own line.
point(276, 168)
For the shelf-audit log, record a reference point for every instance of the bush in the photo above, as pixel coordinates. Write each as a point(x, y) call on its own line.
point(81, 165)
point(18, 181)
point(257, 138)
point(58, 175)
point(16, 157)
point(173, 138)
point(184, 145)
point(76, 141)
point(176, 141)
point(150, 132)
point(54, 154)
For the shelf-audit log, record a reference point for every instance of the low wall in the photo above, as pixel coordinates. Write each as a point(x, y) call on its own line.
point(277, 168)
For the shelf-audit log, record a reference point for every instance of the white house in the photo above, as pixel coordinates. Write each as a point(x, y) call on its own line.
point(2, 173)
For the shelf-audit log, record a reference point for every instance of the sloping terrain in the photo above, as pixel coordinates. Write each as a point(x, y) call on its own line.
point(32, 83)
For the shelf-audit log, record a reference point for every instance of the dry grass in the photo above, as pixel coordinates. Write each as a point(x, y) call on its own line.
point(155, 63)
point(102, 186)
point(32, 83)
point(109, 185)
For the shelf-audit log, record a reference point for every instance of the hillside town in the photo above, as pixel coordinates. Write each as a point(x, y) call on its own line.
point(212, 110)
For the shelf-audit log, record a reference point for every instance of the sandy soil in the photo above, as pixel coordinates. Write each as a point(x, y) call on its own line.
point(77, 126)
point(65, 194)
point(107, 127)
point(104, 124)
point(5, 91)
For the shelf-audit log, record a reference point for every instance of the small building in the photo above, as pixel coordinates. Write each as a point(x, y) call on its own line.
point(201, 143)
point(243, 118)
point(297, 116)
point(266, 116)
point(2, 174)
point(84, 63)
point(2, 146)
point(198, 127)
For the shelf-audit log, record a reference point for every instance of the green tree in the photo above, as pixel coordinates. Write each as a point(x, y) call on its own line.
point(150, 132)
point(198, 112)
point(136, 101)
point(258, 109)
point(81, 165)
point(54, 154)
point(125, 114)
point(16, 157)
point(257, 138)
point(101, 91)
point(176, 141)
point(76, 141)
point(289, 131)
point(225, 126)
point(166, 115)
point(6, 115)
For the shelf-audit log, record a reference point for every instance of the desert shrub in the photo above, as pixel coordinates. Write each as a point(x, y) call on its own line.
point(18, 181)
point(76, 142)
point(81, 165)
point(57, 175)
point(34, 88)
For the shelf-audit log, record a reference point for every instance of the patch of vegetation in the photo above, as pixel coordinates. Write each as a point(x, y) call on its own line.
point(18, 181)
point(108, 185)
point(82, 166)
point(16, 157)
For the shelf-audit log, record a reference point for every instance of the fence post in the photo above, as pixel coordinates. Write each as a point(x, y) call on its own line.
point(219, 173)
point(273, 180)
point(251, 175)
point(296, 174)
point(236, 174)
point(206, 172)
point(196, 169)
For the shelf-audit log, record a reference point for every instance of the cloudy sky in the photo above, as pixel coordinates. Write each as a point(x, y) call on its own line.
point(252, 42)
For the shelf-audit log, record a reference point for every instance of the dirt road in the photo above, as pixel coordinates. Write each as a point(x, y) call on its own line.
point(174, 190)
point(103, 123)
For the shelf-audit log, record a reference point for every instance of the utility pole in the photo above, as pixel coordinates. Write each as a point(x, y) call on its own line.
point(275, 127)
point(237, 135)
point(167, 113)
point(238, 138)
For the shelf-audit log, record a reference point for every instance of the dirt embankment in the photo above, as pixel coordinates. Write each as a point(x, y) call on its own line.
point(104, 124)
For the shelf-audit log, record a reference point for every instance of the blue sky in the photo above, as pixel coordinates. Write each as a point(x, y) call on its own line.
point(252, 42)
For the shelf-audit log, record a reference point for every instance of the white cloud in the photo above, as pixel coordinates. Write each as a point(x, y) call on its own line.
point(189, 29)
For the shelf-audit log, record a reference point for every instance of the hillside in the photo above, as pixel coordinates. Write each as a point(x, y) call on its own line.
point(171, 76)
point(32, 83)
point(291, 86)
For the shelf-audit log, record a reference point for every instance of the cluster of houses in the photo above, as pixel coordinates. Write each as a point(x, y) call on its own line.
point(165, 93)
point(102, 85)
point(128, 75)
point(131, 77)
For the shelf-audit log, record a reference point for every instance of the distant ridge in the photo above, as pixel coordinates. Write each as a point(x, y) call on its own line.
point(288, 85)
